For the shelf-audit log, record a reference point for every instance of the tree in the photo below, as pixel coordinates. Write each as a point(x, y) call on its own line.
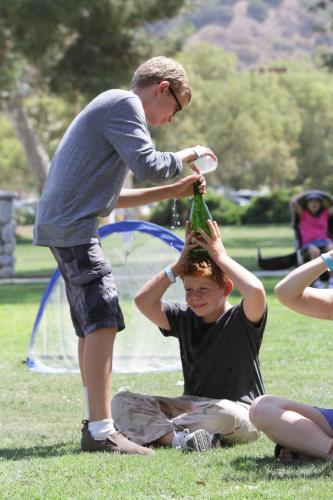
point(325, 9)
point(12, 159)
point(312, 90)
point(74, 48)
point(249, 120)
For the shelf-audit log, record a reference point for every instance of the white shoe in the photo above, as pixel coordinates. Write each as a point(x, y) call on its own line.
point(195, 441)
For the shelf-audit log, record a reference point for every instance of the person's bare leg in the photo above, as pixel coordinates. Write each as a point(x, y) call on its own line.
point(96, 369)
point(80, 351)
point(96, 366)
point(166, 440)
point(293, 425)
point(313, 252)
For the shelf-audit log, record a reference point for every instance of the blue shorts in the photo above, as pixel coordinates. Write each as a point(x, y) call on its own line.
point(90, 288)
point(328, 414)
point(317, 243)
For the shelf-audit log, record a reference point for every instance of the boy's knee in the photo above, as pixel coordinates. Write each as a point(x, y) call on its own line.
point(238, 428)
point(259, 407)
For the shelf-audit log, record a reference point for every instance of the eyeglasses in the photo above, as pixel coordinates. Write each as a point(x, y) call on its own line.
point(179, 106)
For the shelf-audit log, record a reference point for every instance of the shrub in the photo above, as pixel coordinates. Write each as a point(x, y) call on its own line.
point(273, 208)
point(223, 211)
point(25, 215)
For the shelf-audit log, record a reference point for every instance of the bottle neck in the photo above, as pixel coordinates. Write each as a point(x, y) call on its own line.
point(196, 188)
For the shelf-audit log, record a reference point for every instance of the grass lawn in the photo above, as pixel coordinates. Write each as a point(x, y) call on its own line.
point(40, 414)
point(242, 243)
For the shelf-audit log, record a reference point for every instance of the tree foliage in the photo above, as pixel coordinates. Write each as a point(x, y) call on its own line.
point(13, 168)
point(248, 119)
point(269, 127)
point(81, 46)
point(73, 49)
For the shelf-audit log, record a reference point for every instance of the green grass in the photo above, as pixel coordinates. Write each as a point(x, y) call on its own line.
point(31, 260)
point(241, 242)
point(40, 416)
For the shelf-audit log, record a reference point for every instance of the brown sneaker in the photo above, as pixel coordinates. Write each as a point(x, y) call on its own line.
point(115, 442)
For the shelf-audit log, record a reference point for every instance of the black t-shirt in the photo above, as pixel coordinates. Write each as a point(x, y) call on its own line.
point(220, 359)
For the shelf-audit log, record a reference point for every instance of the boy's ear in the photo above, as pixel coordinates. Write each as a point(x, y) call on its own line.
point(228, 287)
point(163, 86)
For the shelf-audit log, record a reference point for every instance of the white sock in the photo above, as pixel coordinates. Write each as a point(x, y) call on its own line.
point(178, 439)
point(100, 429)
point(86, 401)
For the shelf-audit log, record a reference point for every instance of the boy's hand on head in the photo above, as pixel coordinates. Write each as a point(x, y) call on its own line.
point(188, 245)
point(212, 243)
point(184, 187)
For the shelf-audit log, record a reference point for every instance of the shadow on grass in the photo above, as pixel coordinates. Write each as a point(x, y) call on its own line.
point(55, 450)
point(267, 468)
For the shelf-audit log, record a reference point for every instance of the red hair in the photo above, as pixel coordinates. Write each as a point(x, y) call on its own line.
point(204, 267)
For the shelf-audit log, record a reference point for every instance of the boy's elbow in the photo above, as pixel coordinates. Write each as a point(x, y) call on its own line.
point(138, 300)
point(280, 292)
point(261, 296)
point(143, 302)
point(259, 292)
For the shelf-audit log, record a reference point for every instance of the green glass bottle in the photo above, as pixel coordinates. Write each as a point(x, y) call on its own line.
point(198, 218)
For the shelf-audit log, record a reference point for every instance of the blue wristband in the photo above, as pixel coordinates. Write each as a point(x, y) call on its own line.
point(168, 272)
point(328, 261)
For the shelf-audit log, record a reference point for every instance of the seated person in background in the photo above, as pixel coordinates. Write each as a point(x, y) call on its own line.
point(219, 346)
point(314, 229)
point(298, 428)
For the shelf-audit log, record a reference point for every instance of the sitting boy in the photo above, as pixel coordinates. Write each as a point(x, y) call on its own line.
point(219, 346)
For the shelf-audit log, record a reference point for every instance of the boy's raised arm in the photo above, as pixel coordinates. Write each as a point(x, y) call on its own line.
point(249, 286)
point(294, 290)
point(149, 297)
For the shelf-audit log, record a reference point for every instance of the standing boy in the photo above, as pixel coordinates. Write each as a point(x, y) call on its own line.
point(219, 347)
point(106, 140)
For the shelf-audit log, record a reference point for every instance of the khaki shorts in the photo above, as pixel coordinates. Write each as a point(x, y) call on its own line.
point(144, 419)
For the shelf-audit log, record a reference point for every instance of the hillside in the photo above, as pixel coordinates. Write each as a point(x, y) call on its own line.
point(260, 31)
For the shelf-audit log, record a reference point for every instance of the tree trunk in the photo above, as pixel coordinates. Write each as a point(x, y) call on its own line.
point(37, 158)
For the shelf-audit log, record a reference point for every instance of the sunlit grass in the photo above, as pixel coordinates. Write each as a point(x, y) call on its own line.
point(41, 414)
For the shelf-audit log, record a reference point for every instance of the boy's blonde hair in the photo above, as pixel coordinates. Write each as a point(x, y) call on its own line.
point(158, 69)
point(204, 267)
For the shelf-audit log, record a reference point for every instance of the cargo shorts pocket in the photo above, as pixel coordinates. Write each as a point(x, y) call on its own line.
point(85, 276)
point(89, 265)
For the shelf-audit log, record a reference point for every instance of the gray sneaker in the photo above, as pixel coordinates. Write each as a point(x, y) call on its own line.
point(114, 443)
point(195, 441)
